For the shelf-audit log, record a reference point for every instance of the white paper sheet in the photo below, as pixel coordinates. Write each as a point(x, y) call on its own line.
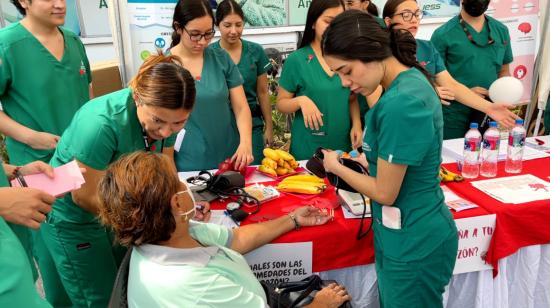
point(515, 189)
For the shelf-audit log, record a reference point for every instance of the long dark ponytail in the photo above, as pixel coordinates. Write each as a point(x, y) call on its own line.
point(185, 11)
point(355, 35)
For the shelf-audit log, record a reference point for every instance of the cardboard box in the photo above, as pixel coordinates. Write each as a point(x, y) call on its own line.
point(105, 77)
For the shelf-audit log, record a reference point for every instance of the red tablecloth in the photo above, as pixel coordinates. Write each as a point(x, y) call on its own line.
point(517, 225)
point(334, 244)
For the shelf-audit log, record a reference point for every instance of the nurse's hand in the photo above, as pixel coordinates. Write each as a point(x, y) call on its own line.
point(313, 118)
point(501, 113)
point(362, 159)
point(243, 156)
point(42, 141)
point(37, 167)
point(482, 92)
point(331, 161)
point(356, 135)
point(446, 95)
point(25, 206)
point(268, 136)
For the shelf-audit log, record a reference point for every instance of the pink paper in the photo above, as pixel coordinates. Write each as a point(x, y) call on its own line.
point(66, 178)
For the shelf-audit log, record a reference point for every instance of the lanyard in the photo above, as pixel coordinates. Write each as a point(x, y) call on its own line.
point(490, 40)
point(146, 142)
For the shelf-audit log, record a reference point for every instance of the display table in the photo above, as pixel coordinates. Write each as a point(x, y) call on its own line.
point(517, 225)
point(516, 249)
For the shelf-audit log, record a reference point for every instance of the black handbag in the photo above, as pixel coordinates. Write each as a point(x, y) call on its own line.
point(296, 294)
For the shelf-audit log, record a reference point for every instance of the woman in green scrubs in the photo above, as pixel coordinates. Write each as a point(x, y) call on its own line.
point(44, 79)
point(220, 125)
point(476, 50)
point(415, 237)
point(325, 113)
point(144, 117)
point(405, 14)
point(369, 7)
point(27, 207)
point(253, 64)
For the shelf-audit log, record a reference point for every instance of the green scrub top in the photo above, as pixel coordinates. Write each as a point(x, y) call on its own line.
point(303, 75)
point(406, 127)
point(37, 90)
point(470, 64)
point(211, 133)
point(380, 21)
point(428, 56)
point(253, 63)
point(17, 284)
point(101, 131)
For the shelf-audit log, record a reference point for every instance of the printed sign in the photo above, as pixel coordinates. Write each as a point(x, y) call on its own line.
point(276, 263)
point(474, 237)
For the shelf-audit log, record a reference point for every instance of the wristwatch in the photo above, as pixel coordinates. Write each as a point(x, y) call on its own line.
point(232, 206)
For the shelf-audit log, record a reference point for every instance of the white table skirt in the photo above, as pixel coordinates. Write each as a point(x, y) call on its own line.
point(523, 281)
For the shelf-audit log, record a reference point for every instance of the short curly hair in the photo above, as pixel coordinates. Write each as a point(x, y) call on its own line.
point(135, 196)
point(20, 8)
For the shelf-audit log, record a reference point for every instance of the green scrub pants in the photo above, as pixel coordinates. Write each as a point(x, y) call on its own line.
point(86, 259)
point(53, 287)
point(417, 284)
point(257, 140)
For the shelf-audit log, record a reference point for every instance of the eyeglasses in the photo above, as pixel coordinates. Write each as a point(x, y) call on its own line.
point(197, 37)
point(408, 15)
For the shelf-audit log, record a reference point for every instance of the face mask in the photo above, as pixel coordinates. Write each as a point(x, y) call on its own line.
point(187, 197)
point(475, 8)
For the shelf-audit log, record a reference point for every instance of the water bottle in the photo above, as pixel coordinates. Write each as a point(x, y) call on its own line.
point(516, 143)
point(472, 143)
point(489, 151)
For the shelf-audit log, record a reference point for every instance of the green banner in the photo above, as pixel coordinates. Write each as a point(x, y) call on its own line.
point(297, 10)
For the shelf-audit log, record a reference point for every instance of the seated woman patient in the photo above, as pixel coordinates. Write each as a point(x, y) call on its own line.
point(177, 262)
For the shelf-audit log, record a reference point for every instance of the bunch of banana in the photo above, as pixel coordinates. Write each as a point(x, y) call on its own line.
point(277, 162)
point(448, 176)
point(303, 184)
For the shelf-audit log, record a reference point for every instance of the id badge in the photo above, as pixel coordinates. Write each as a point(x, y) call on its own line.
point(391, 217)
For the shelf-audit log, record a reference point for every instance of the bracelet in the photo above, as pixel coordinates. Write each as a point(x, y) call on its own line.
point(293, 218)
point(15, 173)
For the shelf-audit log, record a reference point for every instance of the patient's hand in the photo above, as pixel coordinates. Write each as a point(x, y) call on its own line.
point(202, 211)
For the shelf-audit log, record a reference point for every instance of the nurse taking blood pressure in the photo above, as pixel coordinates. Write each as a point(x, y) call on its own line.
point(415, 237)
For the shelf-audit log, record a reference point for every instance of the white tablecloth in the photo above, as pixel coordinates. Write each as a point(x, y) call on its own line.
point(523, 281)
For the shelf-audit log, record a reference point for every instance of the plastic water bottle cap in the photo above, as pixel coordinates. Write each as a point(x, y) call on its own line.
point(519, 122)
point(474, 125)
point(492, 124)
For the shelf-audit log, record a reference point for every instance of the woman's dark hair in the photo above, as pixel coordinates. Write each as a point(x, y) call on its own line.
point(185, 11)
point(19, 7)
point(391, 7)
point(355, 35)
point(316, 9)
point(163, 82)
point(135, 195)
point(372, 9)
point(228, 7)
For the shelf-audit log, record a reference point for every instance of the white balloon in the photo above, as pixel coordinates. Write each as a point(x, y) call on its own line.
point(508, 90)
